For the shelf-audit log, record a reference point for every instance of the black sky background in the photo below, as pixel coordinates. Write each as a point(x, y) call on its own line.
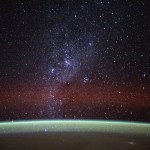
point(50, 44)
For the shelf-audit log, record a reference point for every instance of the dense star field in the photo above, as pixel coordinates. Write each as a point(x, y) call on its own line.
point(70, 59)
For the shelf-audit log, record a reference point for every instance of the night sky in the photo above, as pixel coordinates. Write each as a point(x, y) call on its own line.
point(70, 59)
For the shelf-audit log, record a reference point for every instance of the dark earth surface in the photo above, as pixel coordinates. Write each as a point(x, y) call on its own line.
point(75, 135)
point(74, 141)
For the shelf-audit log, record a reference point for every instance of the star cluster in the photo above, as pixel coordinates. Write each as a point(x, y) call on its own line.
point(75, 59)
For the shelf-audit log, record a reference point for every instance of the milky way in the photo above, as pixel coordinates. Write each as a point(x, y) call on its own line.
point(75, 59)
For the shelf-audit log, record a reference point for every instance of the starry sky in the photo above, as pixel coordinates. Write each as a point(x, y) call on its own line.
point(71, 59)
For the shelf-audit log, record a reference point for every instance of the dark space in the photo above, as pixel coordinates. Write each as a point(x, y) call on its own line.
point(70, 59)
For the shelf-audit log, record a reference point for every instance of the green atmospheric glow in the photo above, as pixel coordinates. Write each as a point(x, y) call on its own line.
point(74, 126)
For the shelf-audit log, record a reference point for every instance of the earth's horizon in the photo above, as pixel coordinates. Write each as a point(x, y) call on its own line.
point(74, 125)
point(74, 134)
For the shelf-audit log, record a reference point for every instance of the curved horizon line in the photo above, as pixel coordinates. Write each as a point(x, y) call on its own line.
point(65, 126)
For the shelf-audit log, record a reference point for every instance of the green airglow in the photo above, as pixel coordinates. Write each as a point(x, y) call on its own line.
point(74, 126)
